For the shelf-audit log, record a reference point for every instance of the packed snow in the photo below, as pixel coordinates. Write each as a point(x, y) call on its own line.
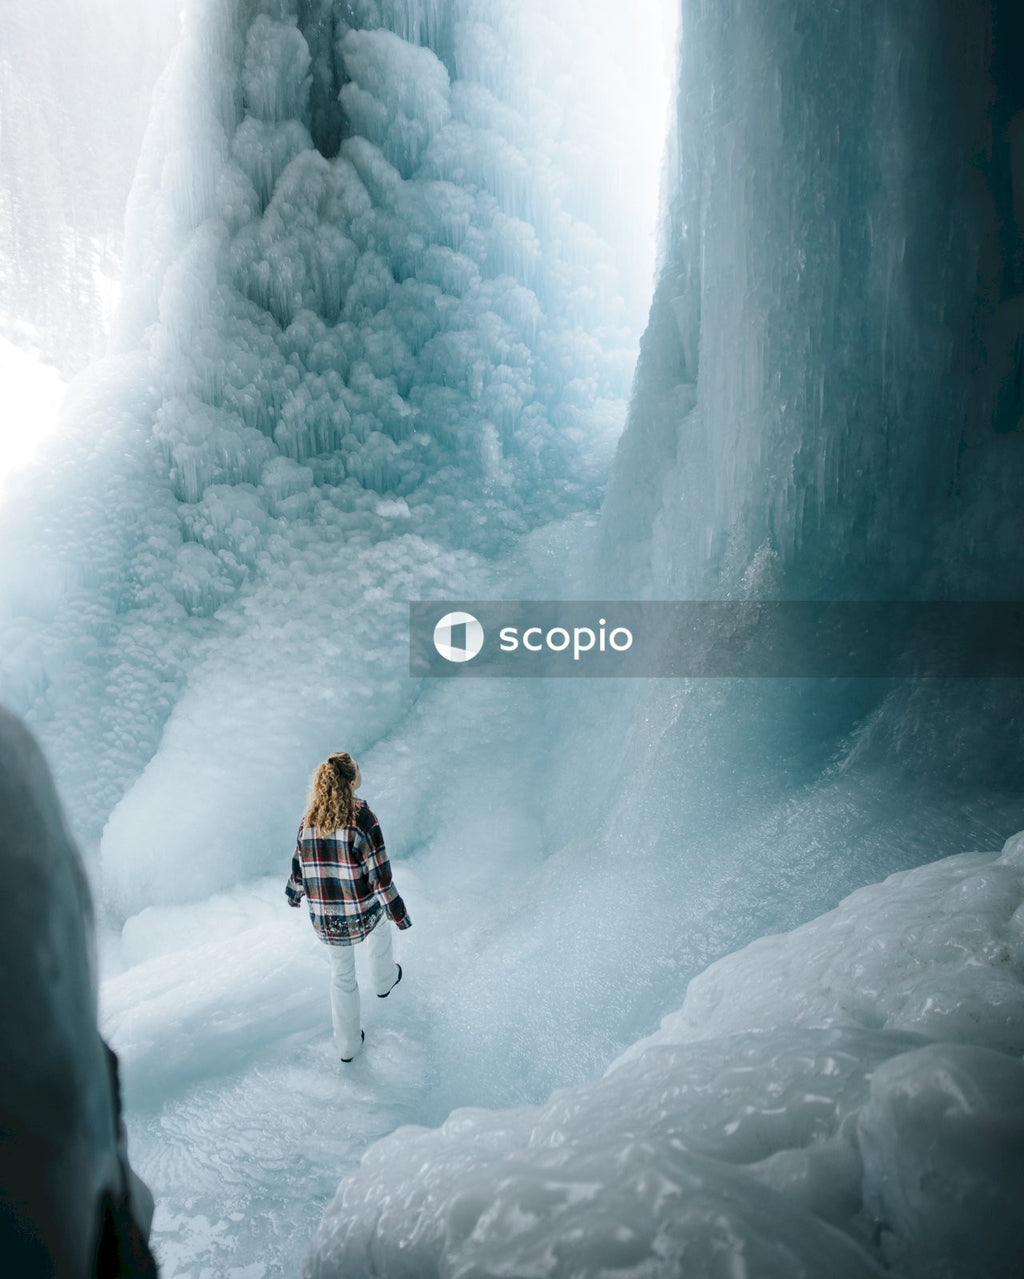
point(846, 1098)
point(528, 968)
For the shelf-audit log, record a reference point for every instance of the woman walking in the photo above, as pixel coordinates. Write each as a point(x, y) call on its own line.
point(341, 867)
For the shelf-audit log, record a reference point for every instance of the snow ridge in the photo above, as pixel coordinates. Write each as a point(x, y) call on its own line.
point(845, 1098)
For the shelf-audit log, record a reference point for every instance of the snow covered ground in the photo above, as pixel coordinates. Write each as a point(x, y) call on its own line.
point(530, 965)
point(846, 1095)
point(843, 1099)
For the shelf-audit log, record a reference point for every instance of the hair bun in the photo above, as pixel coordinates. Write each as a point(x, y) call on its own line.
point(343, 764)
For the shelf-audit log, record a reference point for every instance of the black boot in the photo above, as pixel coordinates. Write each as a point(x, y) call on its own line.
point(393, 984)
point(362, 1037)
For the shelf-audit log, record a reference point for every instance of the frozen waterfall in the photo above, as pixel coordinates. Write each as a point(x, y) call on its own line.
point(387, 333)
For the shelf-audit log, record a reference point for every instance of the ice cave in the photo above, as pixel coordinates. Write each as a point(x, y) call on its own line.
point(364, 303)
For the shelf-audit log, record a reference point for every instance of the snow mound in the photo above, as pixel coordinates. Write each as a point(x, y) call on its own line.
point(845, 1099)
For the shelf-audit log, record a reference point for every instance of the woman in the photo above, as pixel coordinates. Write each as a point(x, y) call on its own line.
point(341, 868)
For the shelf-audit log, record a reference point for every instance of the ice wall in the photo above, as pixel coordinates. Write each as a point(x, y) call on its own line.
point(826, 406)
point(828, 398)
point(380, 321)
point(831, 380)
point(69, 1203)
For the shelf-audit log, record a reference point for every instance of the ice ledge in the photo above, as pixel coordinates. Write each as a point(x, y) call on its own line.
point(847, 1098)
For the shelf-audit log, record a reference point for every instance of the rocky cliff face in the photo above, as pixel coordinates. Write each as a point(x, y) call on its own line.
point(69, 1203)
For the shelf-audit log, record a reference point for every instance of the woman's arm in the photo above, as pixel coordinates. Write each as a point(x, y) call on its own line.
point(378, 872)
point(295, 890)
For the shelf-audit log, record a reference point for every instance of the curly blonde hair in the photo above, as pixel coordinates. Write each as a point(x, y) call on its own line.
point(333, 802)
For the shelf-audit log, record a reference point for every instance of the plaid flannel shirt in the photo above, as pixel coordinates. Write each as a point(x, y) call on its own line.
point(346, 878)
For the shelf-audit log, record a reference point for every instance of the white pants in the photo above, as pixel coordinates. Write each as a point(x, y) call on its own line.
point(345, 989)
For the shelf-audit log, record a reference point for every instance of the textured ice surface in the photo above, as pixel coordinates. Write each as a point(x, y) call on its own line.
point(841, 1099)
point(61, 1156)
point(359, 362)
point(829, 372)
point(367, 341)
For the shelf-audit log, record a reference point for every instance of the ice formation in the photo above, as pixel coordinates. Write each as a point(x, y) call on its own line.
point(376, 343)
point(847, 1098)
point(827, 402)
point(830, 381)
point(377, 324)
point(67, 1194)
